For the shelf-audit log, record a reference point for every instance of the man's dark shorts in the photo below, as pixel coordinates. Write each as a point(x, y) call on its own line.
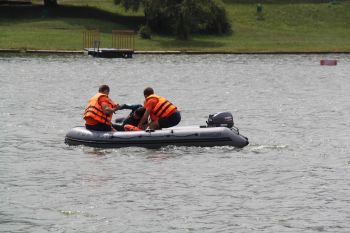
point(99, 127)
point(170, 121)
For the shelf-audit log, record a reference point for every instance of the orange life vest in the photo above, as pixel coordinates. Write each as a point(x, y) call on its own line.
point(94, 110)
point(129, 127)
point(163, 108)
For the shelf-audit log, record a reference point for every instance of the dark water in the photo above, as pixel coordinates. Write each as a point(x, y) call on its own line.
point(293, 177)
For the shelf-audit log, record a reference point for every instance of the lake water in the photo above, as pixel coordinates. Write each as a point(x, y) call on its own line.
point(292, 177)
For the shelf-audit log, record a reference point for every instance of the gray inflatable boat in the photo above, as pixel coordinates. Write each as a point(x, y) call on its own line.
point(219, 131)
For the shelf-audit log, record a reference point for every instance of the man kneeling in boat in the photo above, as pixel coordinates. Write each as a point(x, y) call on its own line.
point(98, 114)
point(163, 113)
point(131, 122)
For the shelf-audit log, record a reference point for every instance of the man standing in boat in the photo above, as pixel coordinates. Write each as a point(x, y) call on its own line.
point(98, 114)
point(163, 113)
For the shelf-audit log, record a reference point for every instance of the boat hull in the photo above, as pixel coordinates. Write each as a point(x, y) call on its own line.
point(177, 136)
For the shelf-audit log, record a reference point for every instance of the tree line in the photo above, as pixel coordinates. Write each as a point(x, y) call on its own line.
point(178, 17)
point(182, 17)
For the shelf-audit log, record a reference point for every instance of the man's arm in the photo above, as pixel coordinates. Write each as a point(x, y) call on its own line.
point(144, 118)
point(132, 107)
point(107, 110)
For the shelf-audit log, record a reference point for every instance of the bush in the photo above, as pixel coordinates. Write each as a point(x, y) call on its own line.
point(213, 19)
point(145, 32)
point(181, 17)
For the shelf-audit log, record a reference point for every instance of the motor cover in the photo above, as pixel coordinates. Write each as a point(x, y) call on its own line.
point(220, 119)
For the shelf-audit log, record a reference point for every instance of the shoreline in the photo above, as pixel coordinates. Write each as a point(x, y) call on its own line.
point(165, 52)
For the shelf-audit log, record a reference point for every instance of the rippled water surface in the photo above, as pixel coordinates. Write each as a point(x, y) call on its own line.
point(293, 177)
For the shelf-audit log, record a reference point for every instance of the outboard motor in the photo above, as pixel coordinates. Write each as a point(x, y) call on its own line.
point(220, 119)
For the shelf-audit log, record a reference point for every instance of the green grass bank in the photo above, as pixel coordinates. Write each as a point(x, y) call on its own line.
point(283, 27)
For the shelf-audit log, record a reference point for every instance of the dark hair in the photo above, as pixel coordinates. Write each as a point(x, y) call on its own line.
point(140, 111)
point(103, 88)
point(148, 91)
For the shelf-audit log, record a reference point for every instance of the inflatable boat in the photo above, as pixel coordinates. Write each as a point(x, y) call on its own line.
point(219, 131)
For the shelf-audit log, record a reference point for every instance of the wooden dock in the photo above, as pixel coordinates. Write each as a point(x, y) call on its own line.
point(123, 44)
point(109, 52)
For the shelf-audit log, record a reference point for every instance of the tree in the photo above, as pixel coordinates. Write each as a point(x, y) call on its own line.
point(182, 17)
point(50, 3)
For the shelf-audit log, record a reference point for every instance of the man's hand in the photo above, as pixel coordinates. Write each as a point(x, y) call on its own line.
point(108, 110)
point(141, 126)
point(116, 108)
